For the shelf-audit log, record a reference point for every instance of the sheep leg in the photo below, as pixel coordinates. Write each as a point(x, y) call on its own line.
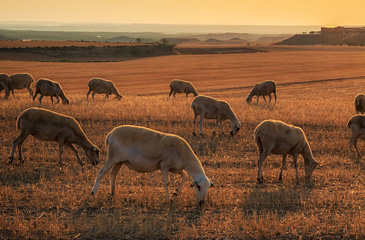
point(87, 94)
point(264, 98)
point(186, 94)
point(18, 143)
point(30, 91)
point(60, 145)
point(170, 92)
point(215, 127)
point(165, 176)
point(270, 98)
point(201, 124)
point(76, 152)
point(174, 94)
point(357, 150)
point(275, 96)
point(51, 99)
point(194, 122)
point(295, 157)
point(107, 96)
point(184, 176)
point(40, 98)
point(36, 93)
point(93, 95)
point(101, 174)
point(266, 150)
point(113, 175)
point(222, 127)
point(58, 99)
point(282, 167)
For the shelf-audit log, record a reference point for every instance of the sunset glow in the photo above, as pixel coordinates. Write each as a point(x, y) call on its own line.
point(231, 12)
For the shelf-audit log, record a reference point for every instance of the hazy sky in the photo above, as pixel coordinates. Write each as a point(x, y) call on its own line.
point(232, 12)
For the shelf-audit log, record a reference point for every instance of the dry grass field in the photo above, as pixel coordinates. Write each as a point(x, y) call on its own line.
point(40, 200)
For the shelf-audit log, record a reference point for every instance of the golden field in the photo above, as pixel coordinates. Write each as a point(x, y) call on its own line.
point(316, 88)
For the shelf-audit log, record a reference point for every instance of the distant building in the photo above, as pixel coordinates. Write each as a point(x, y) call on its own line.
point(341, 30)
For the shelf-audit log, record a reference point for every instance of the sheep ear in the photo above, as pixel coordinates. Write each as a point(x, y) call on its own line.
point(193, 184)
point(211, 184)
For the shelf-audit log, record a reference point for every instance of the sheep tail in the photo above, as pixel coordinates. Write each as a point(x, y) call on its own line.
point(18, 122)
point(107, 140)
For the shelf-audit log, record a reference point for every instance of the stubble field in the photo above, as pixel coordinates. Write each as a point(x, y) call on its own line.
point(39, 199)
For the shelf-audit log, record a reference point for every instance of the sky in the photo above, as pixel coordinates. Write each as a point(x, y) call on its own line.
point(220, 12)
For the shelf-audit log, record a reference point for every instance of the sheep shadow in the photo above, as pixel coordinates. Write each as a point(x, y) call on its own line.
point(279, 200)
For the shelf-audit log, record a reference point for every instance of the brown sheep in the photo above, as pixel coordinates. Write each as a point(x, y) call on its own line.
point(280, 138)
point(99, 85)
point(21, 81)
point(357, 126)
point(46, 87)
point(146, 150)
point(5, 84)
point(211, 108)
point(180, 86)
point(262, 89)
point(360, 103)
point(46, 125)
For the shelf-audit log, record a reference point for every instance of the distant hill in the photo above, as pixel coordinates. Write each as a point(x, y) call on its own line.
point(182, 40)
point(126, 39)
point(325, 39)
point(224, 36)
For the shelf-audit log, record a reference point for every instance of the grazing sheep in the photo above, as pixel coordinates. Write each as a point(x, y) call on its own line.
point(280, 138)
point(146, 150)
point(5, 84)
point(211, 108)
point(99, 85)
point(357, 126)
point(180, 86)
point(360, 103)
point(262, 89)
point(46, 87)
point(46, 125)
point(21, 81)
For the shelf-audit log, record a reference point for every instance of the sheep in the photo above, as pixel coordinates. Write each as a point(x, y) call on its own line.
point(145, 150)
point(5, 84)
point(357, 126)
point(211, 108)
point(181, 86)
point(21, 81)
point(360, 103)
point(262, 89)
point(47, 125)
point(279, 138)
point(46, 87)
point(99, 85)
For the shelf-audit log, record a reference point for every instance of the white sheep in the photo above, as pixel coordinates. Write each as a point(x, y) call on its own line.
point(21, 81)
point(211, 108)
point(357, 126)
point(99, 85)
point(360, 103)
point(47, 125)
point(146, 150)
point(280, 138)
point(5, 84)
point(46, 87)
point(262, 89)
point(181, 86)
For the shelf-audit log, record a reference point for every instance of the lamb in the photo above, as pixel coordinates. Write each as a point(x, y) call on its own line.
point(280, 138)
point(46, 87)
point(99, 85)
point(360, 103)
point(21, 81)
point(211, 108)
point(146, 150)
point(357, 126)
point(46, 125)
point(181, 86)
point(262, 89)
point(5, 84)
